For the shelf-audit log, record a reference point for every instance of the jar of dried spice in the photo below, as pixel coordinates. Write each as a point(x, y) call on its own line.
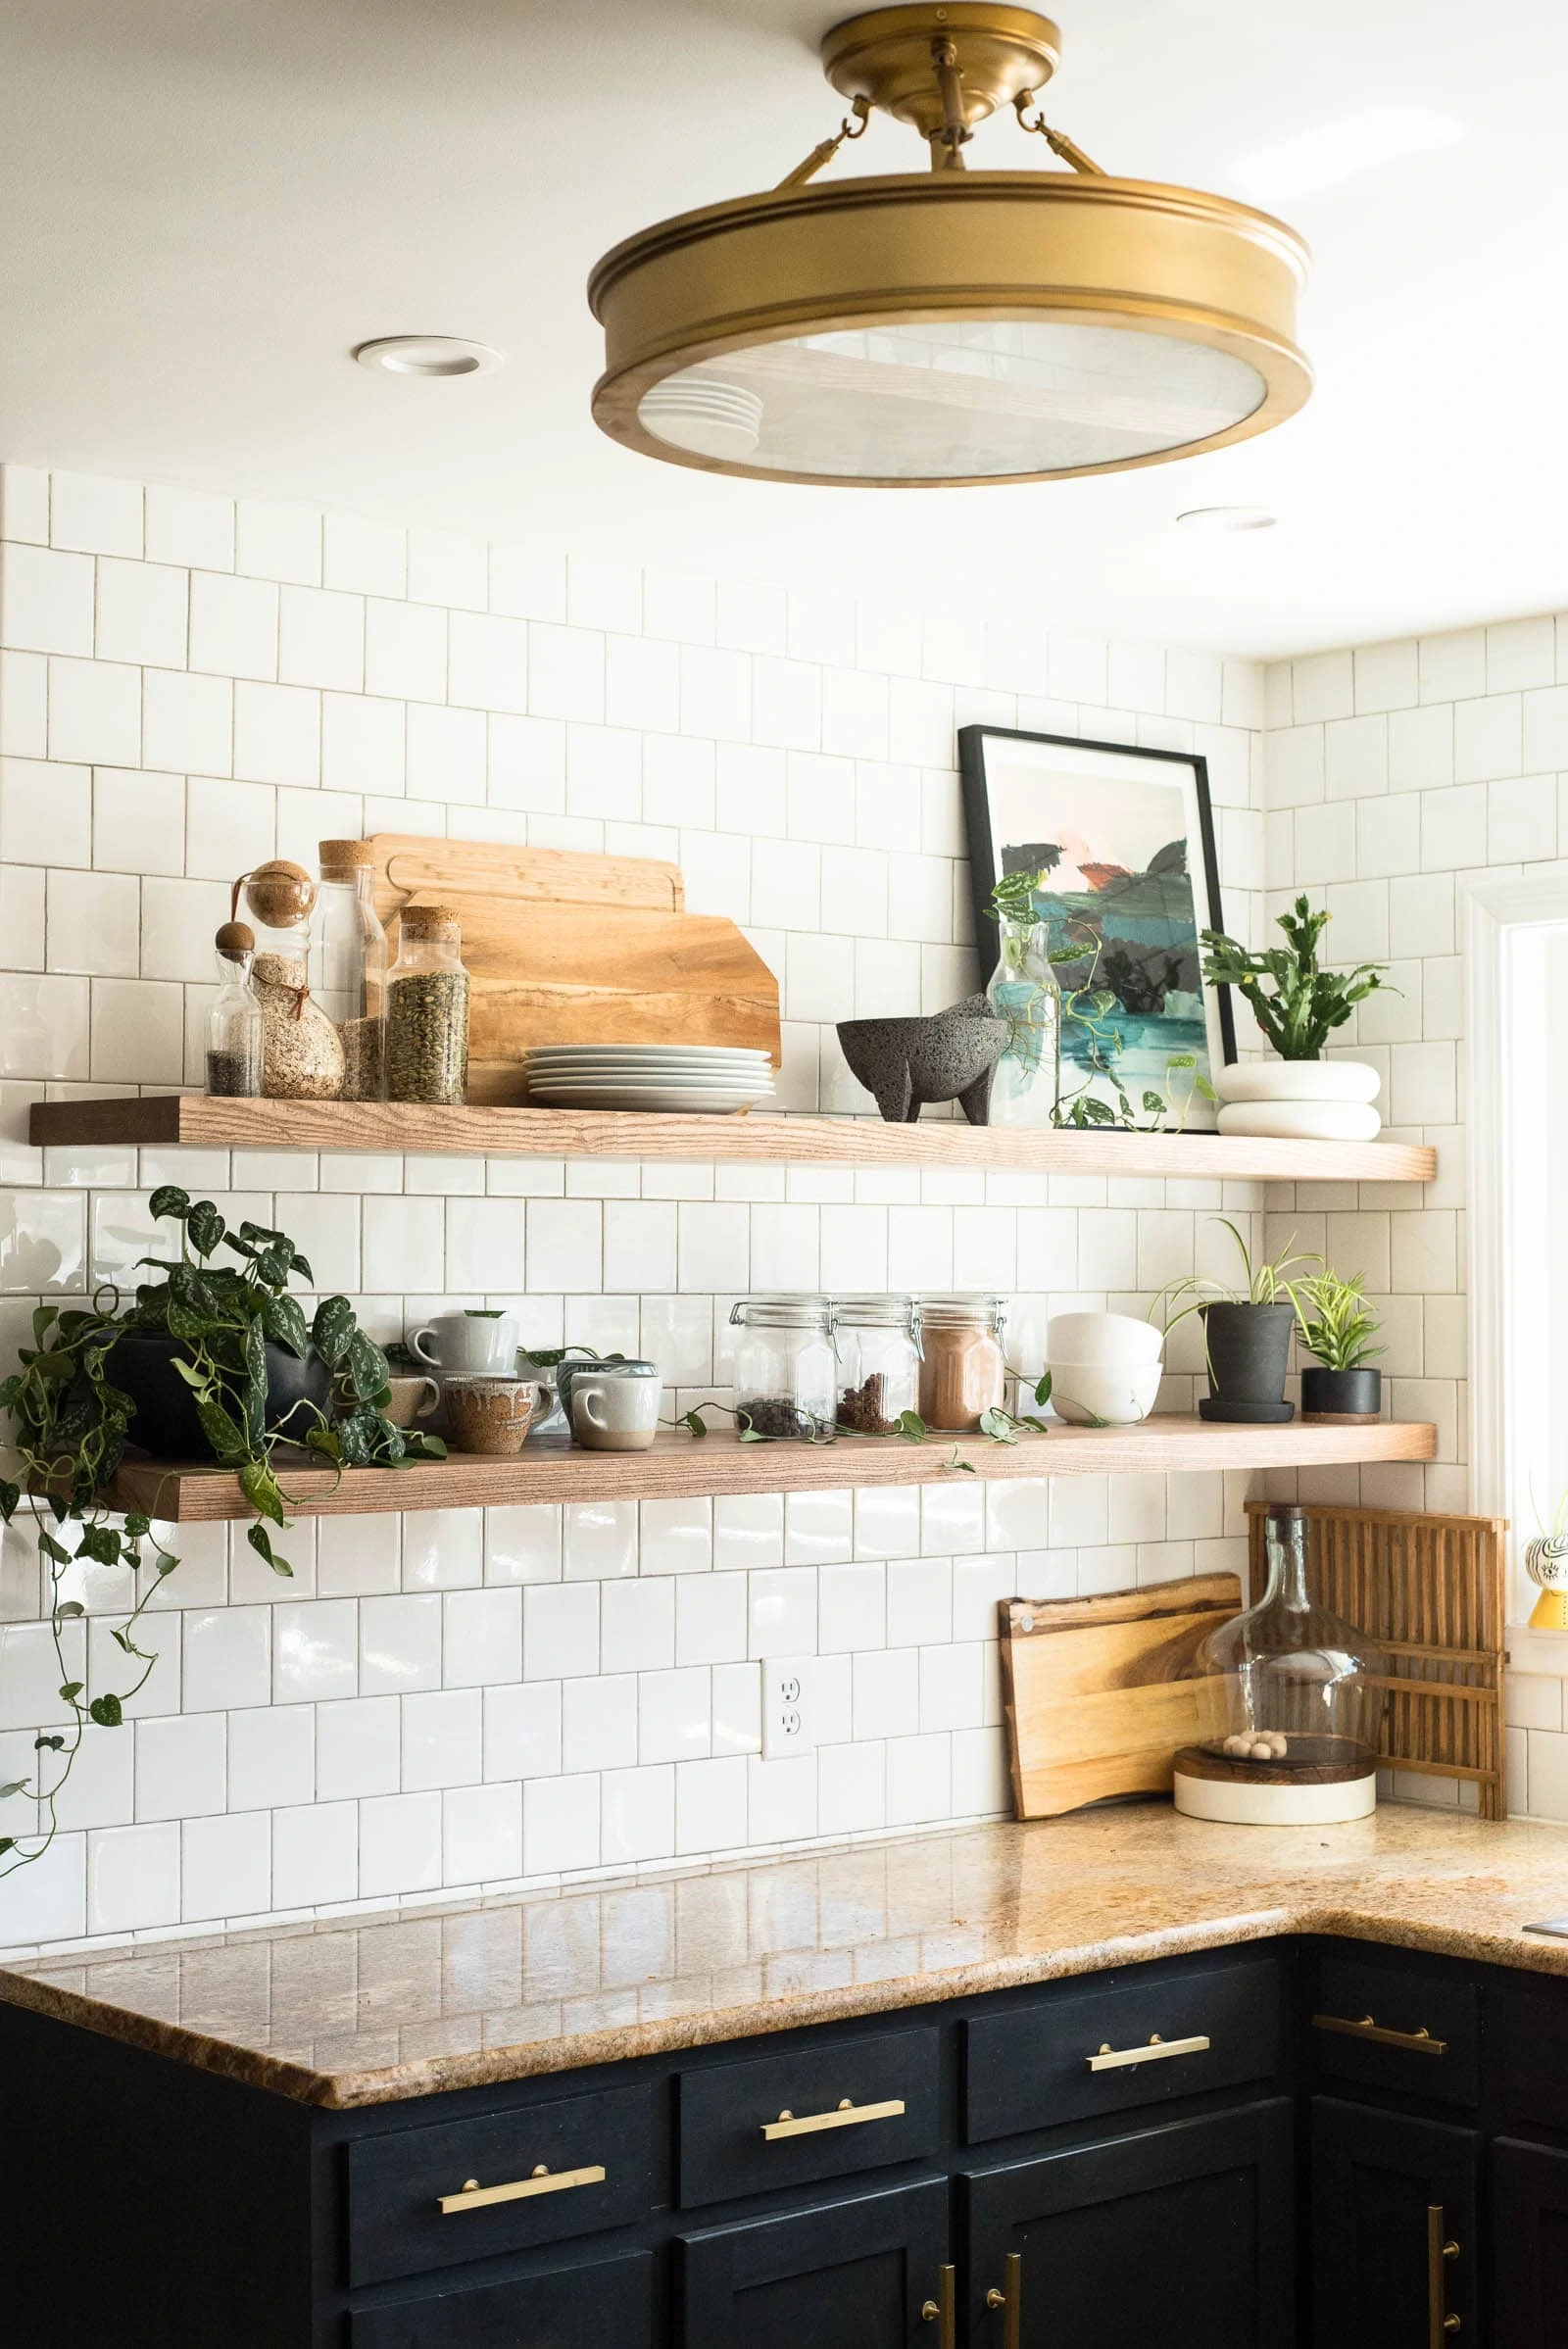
point(879, 1362)
point(428, 1009)
point(963, 1372)
point(302, 1056)
point(786, 1366)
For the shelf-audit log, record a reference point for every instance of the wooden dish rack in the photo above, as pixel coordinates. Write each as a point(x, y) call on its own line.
point(1430, 1592)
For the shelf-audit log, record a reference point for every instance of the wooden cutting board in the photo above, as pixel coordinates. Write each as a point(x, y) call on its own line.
point(1099, 1693)
point(572, 948)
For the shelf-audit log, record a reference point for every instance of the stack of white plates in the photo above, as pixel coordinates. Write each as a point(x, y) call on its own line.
point(706, 1079)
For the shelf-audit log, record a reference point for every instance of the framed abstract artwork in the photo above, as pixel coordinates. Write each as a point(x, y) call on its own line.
point(1122, 844)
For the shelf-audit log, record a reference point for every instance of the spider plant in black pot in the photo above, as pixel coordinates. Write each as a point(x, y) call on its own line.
point(1336, 1325)
point(1246, 1331)
point(213, 1362)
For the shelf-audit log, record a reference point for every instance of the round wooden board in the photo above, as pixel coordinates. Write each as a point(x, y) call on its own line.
point(1193, 1762)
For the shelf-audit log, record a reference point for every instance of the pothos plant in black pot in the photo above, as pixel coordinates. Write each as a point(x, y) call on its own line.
point(1246, 1331)
point(213, 1362)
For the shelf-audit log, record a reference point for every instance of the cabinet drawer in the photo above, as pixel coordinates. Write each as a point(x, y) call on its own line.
point(610, 2302)
point(830, 2111)
point(396, 2183)
point(1035, 2065)
point(1392, 2027)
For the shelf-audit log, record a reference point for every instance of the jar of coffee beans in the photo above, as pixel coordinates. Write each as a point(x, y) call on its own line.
point(879, 1363)
point(428, 1009)
point(786, 1366)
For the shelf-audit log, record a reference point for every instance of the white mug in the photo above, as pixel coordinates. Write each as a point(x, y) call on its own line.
point(468, 1345)
point(615, 1415)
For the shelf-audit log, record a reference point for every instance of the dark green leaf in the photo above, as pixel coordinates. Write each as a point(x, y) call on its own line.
point(13, 1785)
point(137, 1527)
point(285, 1324)
point(1153, 1102)
point(366, 1366)
point(261, 1542)
point(1043, 1388)
point(7, 1844)
point(106, 1711)
point(419, 1446)
point(169, 1199)
point(204, 1227)
point(71, 1689)
point(912, 1427)
point(694, 1420)
point(255, 1381)
point(324, 1440)
point(222, 1433)
point(261, 1489)
point(10, 1498)
point(52, 1744)
point(355, 1437)
point(101, 1543)
point(334, 1325)
point(52, 1549)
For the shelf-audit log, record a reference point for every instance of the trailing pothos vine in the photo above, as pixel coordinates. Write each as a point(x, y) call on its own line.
point(70, 1425)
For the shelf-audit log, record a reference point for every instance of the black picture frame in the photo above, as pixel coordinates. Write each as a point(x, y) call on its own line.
point(984, 870)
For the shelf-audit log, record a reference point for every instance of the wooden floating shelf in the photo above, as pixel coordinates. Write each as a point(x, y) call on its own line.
point(680, 1465)
point(161, 1120)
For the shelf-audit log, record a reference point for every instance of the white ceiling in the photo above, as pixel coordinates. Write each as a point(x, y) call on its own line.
point(208, 201)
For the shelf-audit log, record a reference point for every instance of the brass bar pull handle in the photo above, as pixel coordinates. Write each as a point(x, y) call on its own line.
point(846, 2116)
point(1439, 2249)
point(943, 2311)
point(475, 2197)
point(1115, 2059)
point(1414, 2042)
point(1011, 2301)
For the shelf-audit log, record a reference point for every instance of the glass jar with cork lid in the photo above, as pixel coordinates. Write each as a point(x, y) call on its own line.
point(350, 962)
point(235, 1027)
point(428, 1009)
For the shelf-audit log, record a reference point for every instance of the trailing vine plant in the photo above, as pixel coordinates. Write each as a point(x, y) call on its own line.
point(70, 1425)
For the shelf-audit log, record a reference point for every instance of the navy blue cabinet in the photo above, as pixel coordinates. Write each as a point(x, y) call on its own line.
point(849, 2274)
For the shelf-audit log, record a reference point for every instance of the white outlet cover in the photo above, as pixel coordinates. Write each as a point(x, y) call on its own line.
point(788, 1693)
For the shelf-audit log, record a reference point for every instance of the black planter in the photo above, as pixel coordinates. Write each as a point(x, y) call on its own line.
point(1248, 1353)
point(1342, 1394)
point(165, 1422)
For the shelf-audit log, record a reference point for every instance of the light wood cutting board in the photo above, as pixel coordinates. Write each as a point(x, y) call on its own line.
point(571, 949)
point(1099, 1693)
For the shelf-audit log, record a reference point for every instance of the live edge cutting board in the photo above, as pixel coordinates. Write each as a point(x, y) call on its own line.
point(576, 948)
point(1100, 1693)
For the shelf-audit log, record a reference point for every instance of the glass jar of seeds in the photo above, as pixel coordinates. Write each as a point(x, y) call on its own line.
point(879, 1362)
point(350, 967)
point(236, 1028)
point(428, 1009)
point(786, 1366)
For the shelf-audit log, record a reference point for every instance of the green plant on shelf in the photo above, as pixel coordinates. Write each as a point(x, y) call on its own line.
point(1295, 1003)
point(70, 1425)
point(1337, 1322)
point(1281, 1280)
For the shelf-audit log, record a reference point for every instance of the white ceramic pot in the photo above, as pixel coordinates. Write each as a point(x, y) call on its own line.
point(1298, 1081)
point(1118, 1340)
point(1303, 1121)
point(1105, 1394)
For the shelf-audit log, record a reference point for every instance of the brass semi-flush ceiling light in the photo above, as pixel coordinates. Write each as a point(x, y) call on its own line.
point(961, 326)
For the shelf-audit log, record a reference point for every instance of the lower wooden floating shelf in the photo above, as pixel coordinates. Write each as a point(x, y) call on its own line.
point(680, 1465)
point(159, 1120)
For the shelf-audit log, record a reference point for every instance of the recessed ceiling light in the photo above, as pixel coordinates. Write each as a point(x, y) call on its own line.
point(1227, 519)
point(428, 355)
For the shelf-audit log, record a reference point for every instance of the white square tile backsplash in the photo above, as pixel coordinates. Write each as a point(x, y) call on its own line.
point(187, 686)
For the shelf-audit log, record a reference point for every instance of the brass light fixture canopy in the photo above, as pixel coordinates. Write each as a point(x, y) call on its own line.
point(949, 327)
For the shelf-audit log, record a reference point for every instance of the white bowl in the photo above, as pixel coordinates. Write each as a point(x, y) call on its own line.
point(1298, 1081)
point(1303, 1121)
point(1117, 1340)
point(1098, 1394)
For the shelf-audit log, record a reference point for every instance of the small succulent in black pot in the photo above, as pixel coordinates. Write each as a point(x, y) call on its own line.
point(1337, 1327)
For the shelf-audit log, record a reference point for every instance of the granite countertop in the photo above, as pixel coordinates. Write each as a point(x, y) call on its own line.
point(367, 2011)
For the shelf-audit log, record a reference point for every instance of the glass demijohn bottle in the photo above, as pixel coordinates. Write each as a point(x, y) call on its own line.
point(234, 1024)
point(1291, 1686)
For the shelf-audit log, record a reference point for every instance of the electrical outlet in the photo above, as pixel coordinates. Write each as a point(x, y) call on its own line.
point(788, 1725)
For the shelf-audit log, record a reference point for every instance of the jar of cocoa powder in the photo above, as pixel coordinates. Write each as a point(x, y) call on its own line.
point(879, 1363)
point(963, 1372)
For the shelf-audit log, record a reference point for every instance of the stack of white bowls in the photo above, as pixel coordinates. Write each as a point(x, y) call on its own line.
point(1104, 1367)
point(1299, 1101)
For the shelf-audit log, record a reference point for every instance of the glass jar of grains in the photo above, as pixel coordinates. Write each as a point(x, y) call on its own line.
point(786, 1366)
point(350, 970)
point(963, 1372)
point(879, 1362)
point(428, 1009)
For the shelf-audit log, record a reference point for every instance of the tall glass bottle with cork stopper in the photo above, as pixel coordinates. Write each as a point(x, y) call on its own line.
point(234, 1024)
point(351, 965)
point(428, 1009)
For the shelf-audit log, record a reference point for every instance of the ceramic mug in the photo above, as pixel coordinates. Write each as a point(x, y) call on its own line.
point(414, 1396)
point(470, 1345)
point(585, 1366)
point(488, 1414)
point(615, 1413)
